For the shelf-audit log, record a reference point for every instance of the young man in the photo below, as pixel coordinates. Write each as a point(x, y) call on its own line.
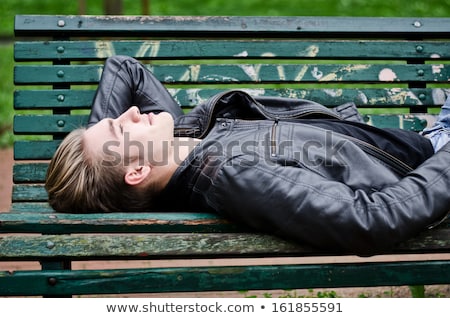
point(287, 167)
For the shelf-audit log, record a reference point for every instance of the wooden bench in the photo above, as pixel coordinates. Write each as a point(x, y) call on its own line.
point(396, 70)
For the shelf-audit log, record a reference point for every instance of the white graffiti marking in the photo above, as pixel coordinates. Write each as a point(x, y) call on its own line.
point(251, 71)
point(152, 46)
point(104, 49)
point(316, 73)
point(437, 68)
point(387, 75)
point(242, 54)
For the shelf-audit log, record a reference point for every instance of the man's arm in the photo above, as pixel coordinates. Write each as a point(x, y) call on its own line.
point(125, 82)
point(306, 207)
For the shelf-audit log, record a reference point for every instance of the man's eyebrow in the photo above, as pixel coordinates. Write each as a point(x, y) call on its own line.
point(112, 129)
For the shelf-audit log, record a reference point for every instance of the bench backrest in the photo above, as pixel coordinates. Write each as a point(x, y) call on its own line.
point(384, 65)
point(396, 65)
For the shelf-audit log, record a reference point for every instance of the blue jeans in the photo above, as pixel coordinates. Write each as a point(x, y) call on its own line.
point(439, 134)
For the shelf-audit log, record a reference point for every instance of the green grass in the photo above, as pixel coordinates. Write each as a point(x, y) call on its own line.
point(9, 8)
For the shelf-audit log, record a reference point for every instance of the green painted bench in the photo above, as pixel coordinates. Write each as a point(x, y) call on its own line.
point(396, 70)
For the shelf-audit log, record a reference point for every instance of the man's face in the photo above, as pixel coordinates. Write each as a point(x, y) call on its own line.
point(144, 137)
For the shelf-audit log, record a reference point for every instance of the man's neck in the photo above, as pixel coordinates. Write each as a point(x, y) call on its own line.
point(182, 147)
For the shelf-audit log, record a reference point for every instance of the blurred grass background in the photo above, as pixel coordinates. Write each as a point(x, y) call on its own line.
point(9, 8)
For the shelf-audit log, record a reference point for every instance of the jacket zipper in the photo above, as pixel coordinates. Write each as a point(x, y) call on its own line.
point(273, 139)
point(401, 167)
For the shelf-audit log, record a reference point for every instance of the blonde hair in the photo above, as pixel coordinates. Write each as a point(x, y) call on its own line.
point(79, 183)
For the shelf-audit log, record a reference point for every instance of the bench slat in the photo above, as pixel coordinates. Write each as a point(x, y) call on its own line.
point(137, 222)
point(56, 124)
point(58, 98)
point(45, 124)
point(35, 150)
point(29, 172)
point(51, 222)
point(363, 97)
point(187, 26)
point(246, 73)
point(407, 122)
point(214, 49)
point(178, 245)
point(144, 246)
point(26, 207)
point(229, 278)
point(29, 192)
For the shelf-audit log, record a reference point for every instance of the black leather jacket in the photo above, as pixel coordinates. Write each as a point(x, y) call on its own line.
point(262, 164)
point(302, 182)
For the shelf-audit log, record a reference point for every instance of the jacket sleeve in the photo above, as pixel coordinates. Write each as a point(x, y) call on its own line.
point(124, 83)
point(299, 204)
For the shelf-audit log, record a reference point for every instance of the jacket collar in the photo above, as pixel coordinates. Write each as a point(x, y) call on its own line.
point(239, 104)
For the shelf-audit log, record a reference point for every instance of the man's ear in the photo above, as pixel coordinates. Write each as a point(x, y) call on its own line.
point(136, 175)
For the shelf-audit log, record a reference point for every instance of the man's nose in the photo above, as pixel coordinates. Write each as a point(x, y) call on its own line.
point(132, 113)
